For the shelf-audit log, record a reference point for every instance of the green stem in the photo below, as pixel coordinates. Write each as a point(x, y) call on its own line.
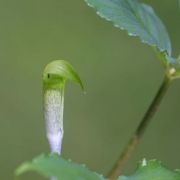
point(127, 152)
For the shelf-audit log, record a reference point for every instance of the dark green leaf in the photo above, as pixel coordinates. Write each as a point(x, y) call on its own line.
point(137, 18)
point(54, 165)
point(152, 170)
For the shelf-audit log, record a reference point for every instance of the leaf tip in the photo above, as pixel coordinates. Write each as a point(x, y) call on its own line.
point(21, 169)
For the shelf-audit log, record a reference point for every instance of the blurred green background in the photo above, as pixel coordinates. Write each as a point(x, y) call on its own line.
point(120, 74)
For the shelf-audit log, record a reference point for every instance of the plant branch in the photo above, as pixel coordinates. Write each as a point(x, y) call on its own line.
point(127, 152)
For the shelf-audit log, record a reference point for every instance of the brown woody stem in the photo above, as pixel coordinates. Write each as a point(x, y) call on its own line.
point(128, 150)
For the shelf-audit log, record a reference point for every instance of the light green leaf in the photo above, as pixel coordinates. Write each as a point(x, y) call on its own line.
point(54, 165)
point(59, 71)
point(137, 18)
point(152, 170)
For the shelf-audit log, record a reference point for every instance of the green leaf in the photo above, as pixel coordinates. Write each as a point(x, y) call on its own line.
point(137, 18)
point(59, 71)
point(152, 170)
point(54, 165)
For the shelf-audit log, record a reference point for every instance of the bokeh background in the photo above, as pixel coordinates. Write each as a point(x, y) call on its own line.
point(121, 76)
